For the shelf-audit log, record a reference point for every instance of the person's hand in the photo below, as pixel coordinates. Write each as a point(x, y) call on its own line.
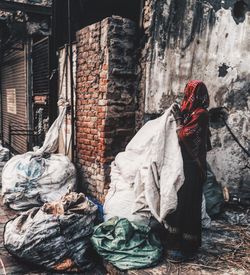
point(176, 111)
point(177, 114)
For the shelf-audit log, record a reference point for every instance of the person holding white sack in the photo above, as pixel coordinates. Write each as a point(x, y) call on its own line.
point(184, 224)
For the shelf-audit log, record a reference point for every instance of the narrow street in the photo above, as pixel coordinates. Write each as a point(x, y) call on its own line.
point(225, 250)
point(118, 118)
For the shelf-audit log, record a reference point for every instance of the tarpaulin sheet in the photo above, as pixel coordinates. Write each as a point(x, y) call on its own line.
point(126, 245)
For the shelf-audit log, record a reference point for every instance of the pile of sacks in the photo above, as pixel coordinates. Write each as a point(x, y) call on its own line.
point(145, 179)
point(55, 230)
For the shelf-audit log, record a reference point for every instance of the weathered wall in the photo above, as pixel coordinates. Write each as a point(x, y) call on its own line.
point(105, 98)
point(207, 40)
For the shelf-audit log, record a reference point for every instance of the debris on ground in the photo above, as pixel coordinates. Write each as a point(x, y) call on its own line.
point(225, 251)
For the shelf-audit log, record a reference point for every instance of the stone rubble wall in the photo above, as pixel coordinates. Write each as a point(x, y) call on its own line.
point(105, 98)
point(207, 40)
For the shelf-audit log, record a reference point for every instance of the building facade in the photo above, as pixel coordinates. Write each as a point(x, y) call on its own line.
point(25, 69)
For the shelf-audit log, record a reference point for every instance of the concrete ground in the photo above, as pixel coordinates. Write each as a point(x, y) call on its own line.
point(225, 250)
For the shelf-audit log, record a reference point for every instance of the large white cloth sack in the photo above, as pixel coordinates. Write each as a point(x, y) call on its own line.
point(146, 177)
point(34, 178)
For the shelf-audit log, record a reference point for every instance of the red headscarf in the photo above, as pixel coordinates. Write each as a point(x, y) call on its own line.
point(196, 96)
point(194, 132)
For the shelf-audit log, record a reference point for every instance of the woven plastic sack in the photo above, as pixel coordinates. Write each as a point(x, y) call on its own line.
point(55, 236)
point(28, 182)
point(34, 178)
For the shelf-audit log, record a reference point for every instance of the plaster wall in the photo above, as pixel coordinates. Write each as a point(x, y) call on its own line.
point(207, 40)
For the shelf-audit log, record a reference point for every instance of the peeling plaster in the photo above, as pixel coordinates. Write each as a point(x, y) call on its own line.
point(170, 68)
point(223, 70)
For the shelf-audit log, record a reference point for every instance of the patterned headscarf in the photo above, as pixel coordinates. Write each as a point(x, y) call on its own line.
point(196, 96)
point(195, 132)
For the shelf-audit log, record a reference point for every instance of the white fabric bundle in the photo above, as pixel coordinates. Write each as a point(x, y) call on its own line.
point(146, 177)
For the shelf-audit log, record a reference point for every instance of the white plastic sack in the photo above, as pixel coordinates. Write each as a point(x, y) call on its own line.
point(29, 182)
point(50, 144)
point(37, 177)
point(146, 177)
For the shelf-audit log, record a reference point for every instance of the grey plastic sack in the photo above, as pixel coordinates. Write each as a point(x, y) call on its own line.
point(55, 236)
point(213, 194)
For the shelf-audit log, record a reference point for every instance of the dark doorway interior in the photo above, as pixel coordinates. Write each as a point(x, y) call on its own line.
point(87, 12)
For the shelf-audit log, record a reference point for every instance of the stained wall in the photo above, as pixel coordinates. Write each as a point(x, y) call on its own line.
point(207, 40)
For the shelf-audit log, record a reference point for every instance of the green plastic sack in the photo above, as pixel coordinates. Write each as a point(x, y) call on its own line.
point(213, 194)
point(126, 245)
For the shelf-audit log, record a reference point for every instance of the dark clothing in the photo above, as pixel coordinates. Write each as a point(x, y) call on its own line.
point(185, 223)
point(194, 137)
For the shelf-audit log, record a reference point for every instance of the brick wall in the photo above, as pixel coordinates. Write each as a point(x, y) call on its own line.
point(105, 112)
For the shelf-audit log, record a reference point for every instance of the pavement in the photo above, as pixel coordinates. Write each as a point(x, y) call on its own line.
point(225, 250)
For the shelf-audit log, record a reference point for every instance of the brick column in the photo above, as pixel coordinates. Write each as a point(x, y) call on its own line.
point(105, 98)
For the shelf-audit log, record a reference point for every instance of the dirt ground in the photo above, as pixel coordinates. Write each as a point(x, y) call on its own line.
point(225, 249)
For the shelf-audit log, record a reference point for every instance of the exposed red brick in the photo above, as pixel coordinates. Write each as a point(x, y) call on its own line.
point(98, 100)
